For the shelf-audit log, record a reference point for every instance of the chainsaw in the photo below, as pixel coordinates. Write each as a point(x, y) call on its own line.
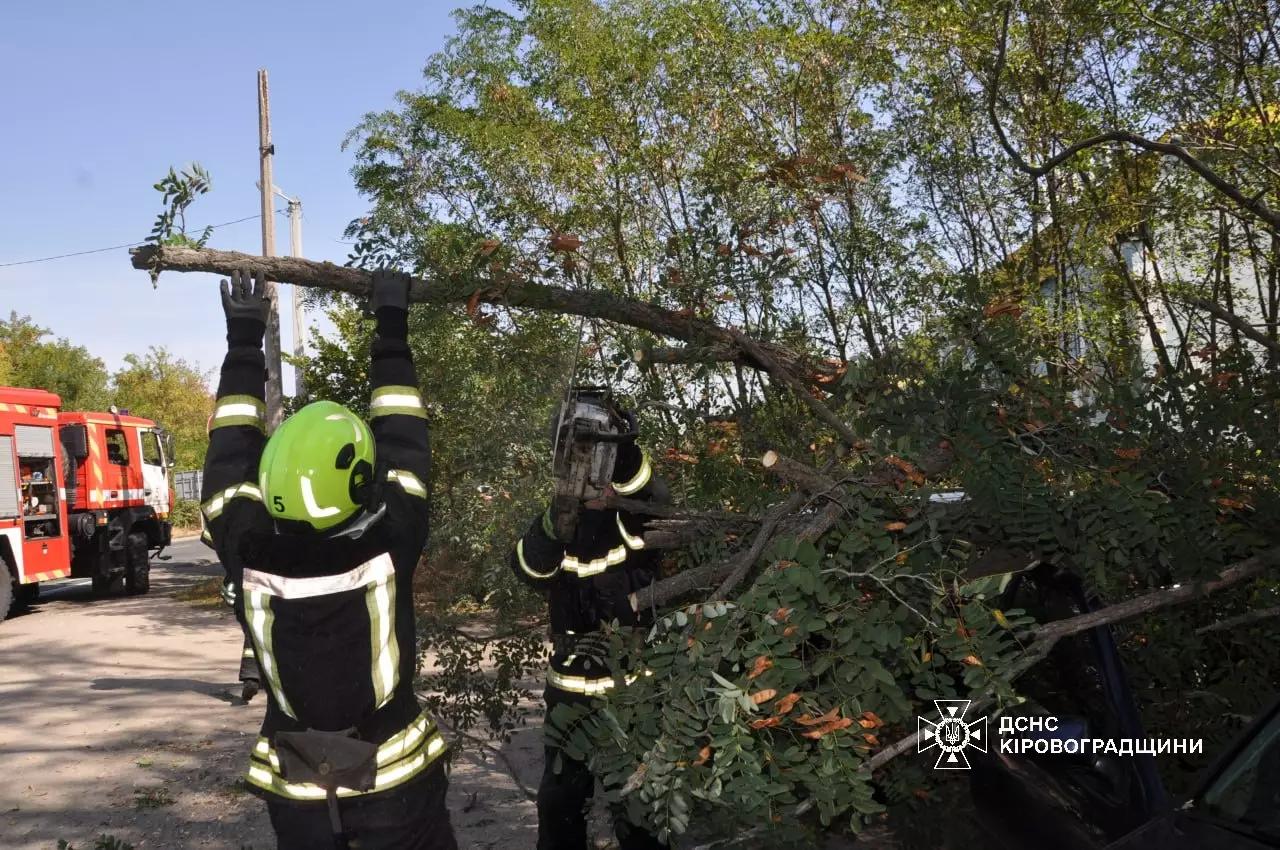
point(586, 431)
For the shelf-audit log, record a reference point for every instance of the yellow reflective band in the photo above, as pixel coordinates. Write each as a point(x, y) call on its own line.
point(380, 600)
point(411, 483)
point(615, 556)
point(580, 684)
point(528, 570)
point(264, 772)
point(632, 542)
point(637, 481)
point(239, 410)
point(212, 509)
point(397, 400)
point(247, 653)
point(261, 619)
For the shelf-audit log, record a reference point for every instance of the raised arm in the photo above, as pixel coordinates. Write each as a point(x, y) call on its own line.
point(396, 413)
point(237, 429)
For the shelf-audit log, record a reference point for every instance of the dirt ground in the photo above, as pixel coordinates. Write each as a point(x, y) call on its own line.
point(121, 716)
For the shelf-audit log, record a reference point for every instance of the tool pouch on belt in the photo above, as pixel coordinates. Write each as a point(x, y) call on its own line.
point(330, 760)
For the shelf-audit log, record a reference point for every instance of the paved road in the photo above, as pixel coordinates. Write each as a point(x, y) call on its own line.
point(119, 716)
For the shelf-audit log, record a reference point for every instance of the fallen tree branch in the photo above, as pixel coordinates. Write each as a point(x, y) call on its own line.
point(500, 289)
point(1241, 620)
point(803, 476)
point(743, 562)
point(1047, 635)
point(757, 351)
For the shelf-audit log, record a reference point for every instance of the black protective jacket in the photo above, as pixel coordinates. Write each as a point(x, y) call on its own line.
point(331, 620)
point(589, 580)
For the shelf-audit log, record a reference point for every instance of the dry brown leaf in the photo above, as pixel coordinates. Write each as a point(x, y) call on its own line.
point(1002, 308)
point(565, 242)
point(703, 755)
point(763, 696)
point(1128, 454)
point(761, 664)
point(809, 720)
point(972, 660)
point(895, 526)
point(765, 722)
point(906, 467)
point(828, 728)
point(787, 703)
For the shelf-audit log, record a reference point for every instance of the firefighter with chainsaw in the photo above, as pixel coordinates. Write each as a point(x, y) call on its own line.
point(320, 528)
point(589, 561)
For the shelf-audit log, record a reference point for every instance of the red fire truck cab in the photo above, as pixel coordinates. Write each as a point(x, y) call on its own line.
point(83, 495)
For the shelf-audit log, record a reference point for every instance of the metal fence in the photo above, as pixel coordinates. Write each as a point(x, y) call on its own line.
point(187, 484)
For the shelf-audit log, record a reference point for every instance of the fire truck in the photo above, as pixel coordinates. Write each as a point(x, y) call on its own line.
point(82, 495)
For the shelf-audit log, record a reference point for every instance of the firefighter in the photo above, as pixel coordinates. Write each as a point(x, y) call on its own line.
point(589, 579)
point(250, 676)
point(320, 528)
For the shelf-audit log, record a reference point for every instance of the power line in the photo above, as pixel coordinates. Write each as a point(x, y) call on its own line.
point(114, 247)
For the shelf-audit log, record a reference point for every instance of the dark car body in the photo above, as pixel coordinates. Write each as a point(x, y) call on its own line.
point(1056, 801)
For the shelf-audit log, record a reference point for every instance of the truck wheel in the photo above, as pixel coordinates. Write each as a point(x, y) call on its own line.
point(137, 574)
point(6, 591)
point(107, 585)
point(27, 593)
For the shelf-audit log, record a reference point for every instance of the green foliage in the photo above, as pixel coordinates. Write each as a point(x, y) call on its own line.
point(185, 514)
point(826, 176)
point(179, 189)
point(488, 423)
point(172, 392)
point(54, 365)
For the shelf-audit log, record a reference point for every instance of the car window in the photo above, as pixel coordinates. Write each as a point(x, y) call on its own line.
point(151, 448)
point(1247, 791)
point(117, 447)
point(1069, 683)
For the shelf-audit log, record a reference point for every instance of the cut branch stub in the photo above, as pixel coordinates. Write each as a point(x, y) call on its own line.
point(803, 476)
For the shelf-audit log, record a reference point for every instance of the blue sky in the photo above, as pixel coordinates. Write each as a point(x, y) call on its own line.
point(99, 99)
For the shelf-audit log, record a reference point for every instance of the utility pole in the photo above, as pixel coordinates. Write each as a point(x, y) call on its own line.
point(299, 329)
point(275, 392)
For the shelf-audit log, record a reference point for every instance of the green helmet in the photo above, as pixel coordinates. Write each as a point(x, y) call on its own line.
point(317, 468)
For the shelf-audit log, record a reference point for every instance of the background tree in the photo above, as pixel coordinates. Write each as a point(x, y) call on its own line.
point(55, 365)
point(172, 392)
point(1012, 249)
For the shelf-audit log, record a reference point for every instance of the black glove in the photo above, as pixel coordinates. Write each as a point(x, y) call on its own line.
point(246, 306)
point(389, 289)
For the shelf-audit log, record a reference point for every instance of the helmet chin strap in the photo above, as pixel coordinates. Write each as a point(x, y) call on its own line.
point(356, 529)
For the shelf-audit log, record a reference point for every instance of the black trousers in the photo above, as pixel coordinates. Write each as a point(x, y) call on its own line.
point(248, 662)
point(562, 809)
point(411, 817)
